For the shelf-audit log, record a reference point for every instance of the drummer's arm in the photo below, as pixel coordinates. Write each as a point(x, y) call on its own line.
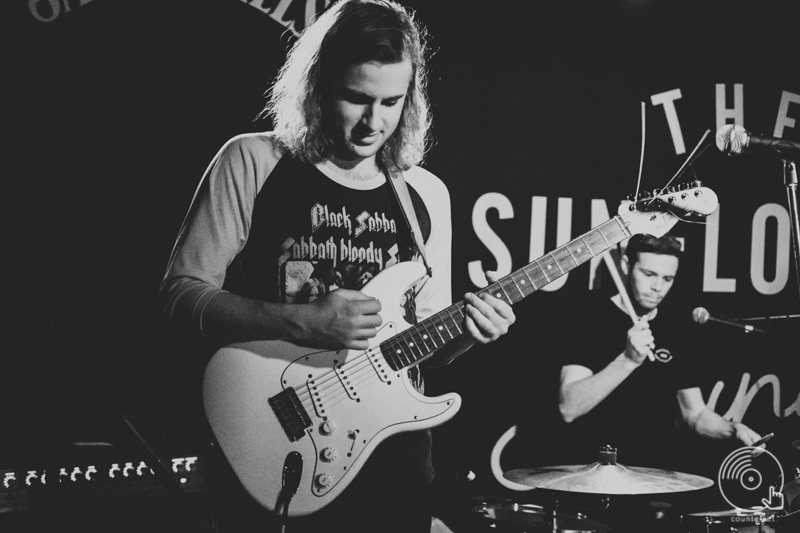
point(707, 423)
point(581, 390)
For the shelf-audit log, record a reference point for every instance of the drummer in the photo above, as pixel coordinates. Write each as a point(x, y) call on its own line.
point(620, 382)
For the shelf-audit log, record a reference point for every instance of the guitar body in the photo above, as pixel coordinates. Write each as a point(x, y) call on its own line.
point(353, 401)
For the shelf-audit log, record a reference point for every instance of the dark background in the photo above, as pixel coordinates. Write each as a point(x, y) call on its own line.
point(114, 108)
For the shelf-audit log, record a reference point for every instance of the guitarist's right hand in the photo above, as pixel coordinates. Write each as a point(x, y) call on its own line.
point(342, 319)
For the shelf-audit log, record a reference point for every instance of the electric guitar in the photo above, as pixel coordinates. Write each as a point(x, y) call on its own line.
point(298, 423)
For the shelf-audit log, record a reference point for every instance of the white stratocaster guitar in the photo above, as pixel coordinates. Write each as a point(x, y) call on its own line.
point(297, 423)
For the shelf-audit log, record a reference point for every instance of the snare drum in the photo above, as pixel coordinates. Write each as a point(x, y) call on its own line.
point(497, 514)
point(732, 521)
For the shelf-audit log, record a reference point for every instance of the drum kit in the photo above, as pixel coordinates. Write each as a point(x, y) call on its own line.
point(606, 479)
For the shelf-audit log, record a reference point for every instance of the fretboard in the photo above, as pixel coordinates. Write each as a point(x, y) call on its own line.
point(420, 340)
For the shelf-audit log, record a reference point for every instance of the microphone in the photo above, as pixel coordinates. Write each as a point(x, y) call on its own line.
point(734, 139)
point(701, 316)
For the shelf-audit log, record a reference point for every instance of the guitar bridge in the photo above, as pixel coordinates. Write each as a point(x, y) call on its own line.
point(291, 414)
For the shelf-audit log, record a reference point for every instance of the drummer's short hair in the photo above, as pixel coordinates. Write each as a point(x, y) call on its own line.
point(667, 244)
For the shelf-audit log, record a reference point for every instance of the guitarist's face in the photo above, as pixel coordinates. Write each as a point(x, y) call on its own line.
point(367, 107)
point(651, 278)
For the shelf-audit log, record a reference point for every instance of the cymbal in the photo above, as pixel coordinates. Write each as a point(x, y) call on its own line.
point(604, 478)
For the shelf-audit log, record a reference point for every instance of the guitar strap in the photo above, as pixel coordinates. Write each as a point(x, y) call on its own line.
point(398, 184)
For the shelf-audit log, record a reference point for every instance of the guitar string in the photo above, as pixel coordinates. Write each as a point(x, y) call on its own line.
point(331, 379)
point(350, 368)
point(356, 367)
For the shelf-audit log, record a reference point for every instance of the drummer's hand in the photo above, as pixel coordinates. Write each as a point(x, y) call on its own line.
point(745, 435)
point(640, 342)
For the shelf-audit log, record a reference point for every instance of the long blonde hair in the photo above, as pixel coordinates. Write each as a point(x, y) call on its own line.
point(350, 32)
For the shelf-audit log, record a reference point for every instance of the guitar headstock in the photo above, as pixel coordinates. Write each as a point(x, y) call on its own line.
point(657, 212)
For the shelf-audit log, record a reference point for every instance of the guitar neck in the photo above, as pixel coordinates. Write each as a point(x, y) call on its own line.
point(419, 341)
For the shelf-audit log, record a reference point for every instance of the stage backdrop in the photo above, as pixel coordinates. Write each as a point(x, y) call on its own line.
point(116, 107)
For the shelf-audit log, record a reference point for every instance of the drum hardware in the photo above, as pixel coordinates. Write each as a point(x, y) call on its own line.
point(607, 477)
point(791, 491)
point(498, 514)
point(731, 521)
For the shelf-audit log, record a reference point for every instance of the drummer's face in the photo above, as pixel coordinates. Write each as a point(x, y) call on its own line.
point(651, 278)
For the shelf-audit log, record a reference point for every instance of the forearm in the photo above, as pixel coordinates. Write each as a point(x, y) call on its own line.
point(218, 317)
point(707, 423)
point(711, 425)
point(579, 397)
point(229, 318)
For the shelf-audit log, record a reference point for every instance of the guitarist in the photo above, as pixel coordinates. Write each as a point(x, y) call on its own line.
point(619, 386)
point(287, 226)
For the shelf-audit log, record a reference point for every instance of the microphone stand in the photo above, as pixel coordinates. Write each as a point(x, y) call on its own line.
point(790, 181)
point(769, 318)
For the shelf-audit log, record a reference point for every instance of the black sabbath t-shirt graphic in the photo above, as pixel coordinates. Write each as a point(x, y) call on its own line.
point(310, 235)
point(339, 250)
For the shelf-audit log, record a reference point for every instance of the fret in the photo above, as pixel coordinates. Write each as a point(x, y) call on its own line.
point(444, 319)
point(437, 327)
point(579, 252)
point(455, 322)
point(401, 351)
point(597, 242)
point(421, 339)
point(544, 274)
point(564, 260)
point(502, 294)
point(545, 264)
point(408, 337)
point(530, 279)
point(393, 353)
point(517, 284)
point(586, 246)
point(424, 325)
point(622, 228)
point(608, 244)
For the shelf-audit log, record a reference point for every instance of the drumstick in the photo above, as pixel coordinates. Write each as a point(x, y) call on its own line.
point(623, 293)
point(761, 444)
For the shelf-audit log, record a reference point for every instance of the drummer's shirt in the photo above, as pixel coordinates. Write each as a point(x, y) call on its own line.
point(640, 416)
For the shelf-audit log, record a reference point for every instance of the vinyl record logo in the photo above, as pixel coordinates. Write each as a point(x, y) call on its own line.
point(750, 479)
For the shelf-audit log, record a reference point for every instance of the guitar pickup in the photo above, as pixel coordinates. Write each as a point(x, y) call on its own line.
point(347, 381)
point(291, 414)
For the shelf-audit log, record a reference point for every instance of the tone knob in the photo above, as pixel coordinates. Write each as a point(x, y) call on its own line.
point(323, 481)
point(327, 428)
point(329, 454)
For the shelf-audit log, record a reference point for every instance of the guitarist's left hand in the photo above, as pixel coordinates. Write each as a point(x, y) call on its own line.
point(487, 318)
